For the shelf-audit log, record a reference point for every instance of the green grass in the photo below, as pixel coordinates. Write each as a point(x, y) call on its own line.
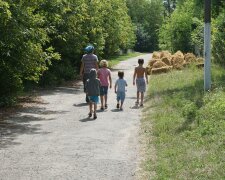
point(116, 59)
point(185, 125)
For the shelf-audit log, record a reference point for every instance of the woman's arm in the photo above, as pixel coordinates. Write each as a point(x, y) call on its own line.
point(81, 69)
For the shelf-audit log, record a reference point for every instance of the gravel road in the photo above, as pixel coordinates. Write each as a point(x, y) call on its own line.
point(54, 140)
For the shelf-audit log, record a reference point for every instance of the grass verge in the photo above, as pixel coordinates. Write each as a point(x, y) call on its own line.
point(185, 126)
point(116, 59)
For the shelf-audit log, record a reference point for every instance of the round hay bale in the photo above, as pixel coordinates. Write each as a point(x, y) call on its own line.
point(166, 54)
point(179, 54)
point(152, 61)
point(159, 64)
point(190, 58)
point(200, 60)
point(166, 60)
point(156, 55)
point(161, 70)
point(177, 62)
point(148, 69)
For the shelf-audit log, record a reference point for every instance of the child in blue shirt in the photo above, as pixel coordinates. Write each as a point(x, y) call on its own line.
point(120, 90)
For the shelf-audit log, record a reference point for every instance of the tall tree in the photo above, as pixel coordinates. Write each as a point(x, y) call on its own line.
point(147, 17)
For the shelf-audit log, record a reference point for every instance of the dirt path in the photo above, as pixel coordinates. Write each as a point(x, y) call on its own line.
point(55, 139)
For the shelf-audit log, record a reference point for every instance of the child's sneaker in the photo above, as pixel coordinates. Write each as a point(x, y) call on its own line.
point(89, 114)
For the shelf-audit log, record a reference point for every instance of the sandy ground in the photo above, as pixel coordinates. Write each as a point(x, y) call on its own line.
point(54, 139)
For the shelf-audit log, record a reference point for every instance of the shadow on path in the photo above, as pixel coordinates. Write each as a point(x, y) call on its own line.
point(87, 119)
point(20, 123)
point(81, 104)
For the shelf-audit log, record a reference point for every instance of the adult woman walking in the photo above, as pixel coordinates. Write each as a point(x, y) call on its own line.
point(88, 61)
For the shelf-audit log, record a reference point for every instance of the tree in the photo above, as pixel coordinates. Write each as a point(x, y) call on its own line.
point(147, 17)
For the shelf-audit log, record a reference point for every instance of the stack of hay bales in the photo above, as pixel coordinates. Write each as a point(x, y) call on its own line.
point(160, 62)
point(164, 61)
point(178, 60)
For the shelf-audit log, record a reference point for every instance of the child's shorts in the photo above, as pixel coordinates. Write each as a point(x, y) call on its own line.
point(141, 84)
point(120, 96)
point(103, 90)
point(94, 99)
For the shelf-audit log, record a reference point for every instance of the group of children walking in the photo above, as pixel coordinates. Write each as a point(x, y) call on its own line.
point(98, 80)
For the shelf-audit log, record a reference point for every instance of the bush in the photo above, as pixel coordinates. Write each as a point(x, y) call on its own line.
point(218, 42)
point(10, 84)
point(58, 73)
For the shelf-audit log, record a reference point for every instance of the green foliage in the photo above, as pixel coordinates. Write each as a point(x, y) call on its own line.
point(147, 17)
point(187, 125)
point(176, 32)
point(36, 34)
point(218, 42)
point(10, 85)
point(197, 36)
point(184, 30)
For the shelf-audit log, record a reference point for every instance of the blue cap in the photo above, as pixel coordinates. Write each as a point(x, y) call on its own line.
point(89, 49)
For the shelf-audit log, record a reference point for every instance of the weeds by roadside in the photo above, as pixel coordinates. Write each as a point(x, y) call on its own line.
point(188, 125)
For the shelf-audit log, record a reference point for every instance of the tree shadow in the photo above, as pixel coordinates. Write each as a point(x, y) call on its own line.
point(9, 130)
point(61, 90)
point(19, 123)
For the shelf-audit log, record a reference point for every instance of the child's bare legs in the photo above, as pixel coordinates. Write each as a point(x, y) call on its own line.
point(95, 108)
point(106, 98)
point(142, 98)
point(121, 105)
point(118, 105)
point(90, 109)
point(137, 97)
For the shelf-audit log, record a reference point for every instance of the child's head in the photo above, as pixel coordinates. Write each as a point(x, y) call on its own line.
point(93, 73)
point(140, 61)
point(103, 63)
point(121, 74)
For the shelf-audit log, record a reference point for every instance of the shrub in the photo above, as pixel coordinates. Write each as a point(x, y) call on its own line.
point(218, 42)
point(10, 84)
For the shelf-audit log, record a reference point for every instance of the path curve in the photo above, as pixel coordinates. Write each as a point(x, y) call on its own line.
point(55, 139)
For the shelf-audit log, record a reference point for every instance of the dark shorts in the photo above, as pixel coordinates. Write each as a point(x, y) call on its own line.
point(103, 90)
